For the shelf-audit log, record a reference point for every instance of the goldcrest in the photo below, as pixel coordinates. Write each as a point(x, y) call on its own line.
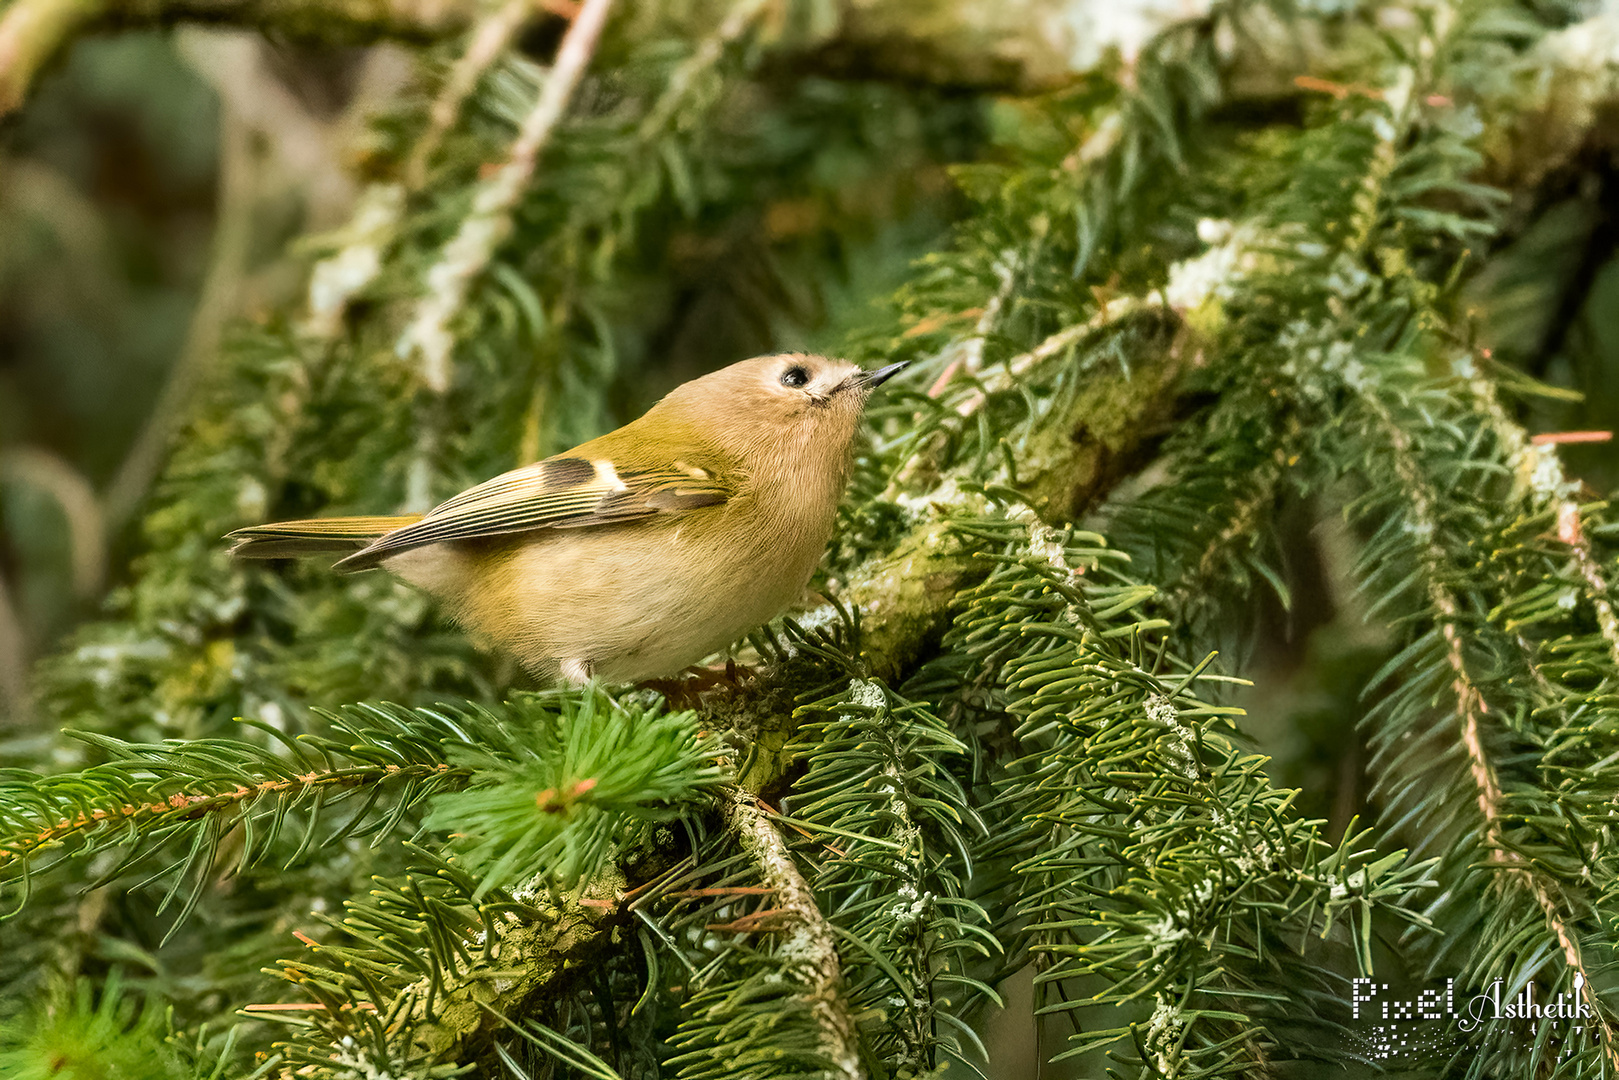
point(638, 553)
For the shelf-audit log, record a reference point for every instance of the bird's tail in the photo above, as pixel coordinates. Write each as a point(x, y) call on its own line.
point(289, 539)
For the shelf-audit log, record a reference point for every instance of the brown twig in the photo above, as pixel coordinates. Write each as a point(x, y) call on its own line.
point(768, 920)
point(1554, 438)
point(305, 1006)
point(734, 890)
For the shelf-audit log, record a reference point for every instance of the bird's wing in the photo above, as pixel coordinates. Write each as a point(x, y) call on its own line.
point(562, 492)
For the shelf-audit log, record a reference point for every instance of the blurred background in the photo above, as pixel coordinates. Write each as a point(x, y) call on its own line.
point(108, 199)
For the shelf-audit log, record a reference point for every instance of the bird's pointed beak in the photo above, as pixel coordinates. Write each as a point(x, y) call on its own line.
point(872, 379)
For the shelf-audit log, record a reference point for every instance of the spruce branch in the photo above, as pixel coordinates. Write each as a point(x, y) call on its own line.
point(880, 787)
point(967, 355)
point(1539, 474)
point(1021, 707)
point(740, 18)
point(373, 227)
point(1147, 844)
point(1474, 716)
point(421, 977)
point(149, 819)
point(440, 963)
point(77, 1031)
point(1420, 520)
point(1435, 570)
point(809, 946)
point(1015, 369)
point(489, 39)
point(147, 798)
point(1433, 471)
point(589, 782)
point(428, 336)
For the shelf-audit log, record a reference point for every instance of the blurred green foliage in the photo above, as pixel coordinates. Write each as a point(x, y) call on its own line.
point(105, 213)
point(107, 190)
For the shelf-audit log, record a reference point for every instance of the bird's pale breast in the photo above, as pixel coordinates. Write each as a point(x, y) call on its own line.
point(628, 602)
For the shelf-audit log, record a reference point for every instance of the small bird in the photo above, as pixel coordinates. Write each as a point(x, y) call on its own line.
point(636, 554)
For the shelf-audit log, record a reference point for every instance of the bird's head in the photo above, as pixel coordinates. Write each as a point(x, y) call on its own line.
point(779, 407)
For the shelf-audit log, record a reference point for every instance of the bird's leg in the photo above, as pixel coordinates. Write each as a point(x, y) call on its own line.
point(730, 674)
point(577, 670)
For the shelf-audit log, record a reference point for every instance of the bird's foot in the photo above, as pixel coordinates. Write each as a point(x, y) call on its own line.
point(689, 688)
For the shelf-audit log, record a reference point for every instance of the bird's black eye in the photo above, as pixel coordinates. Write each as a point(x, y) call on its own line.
point(794, 376)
